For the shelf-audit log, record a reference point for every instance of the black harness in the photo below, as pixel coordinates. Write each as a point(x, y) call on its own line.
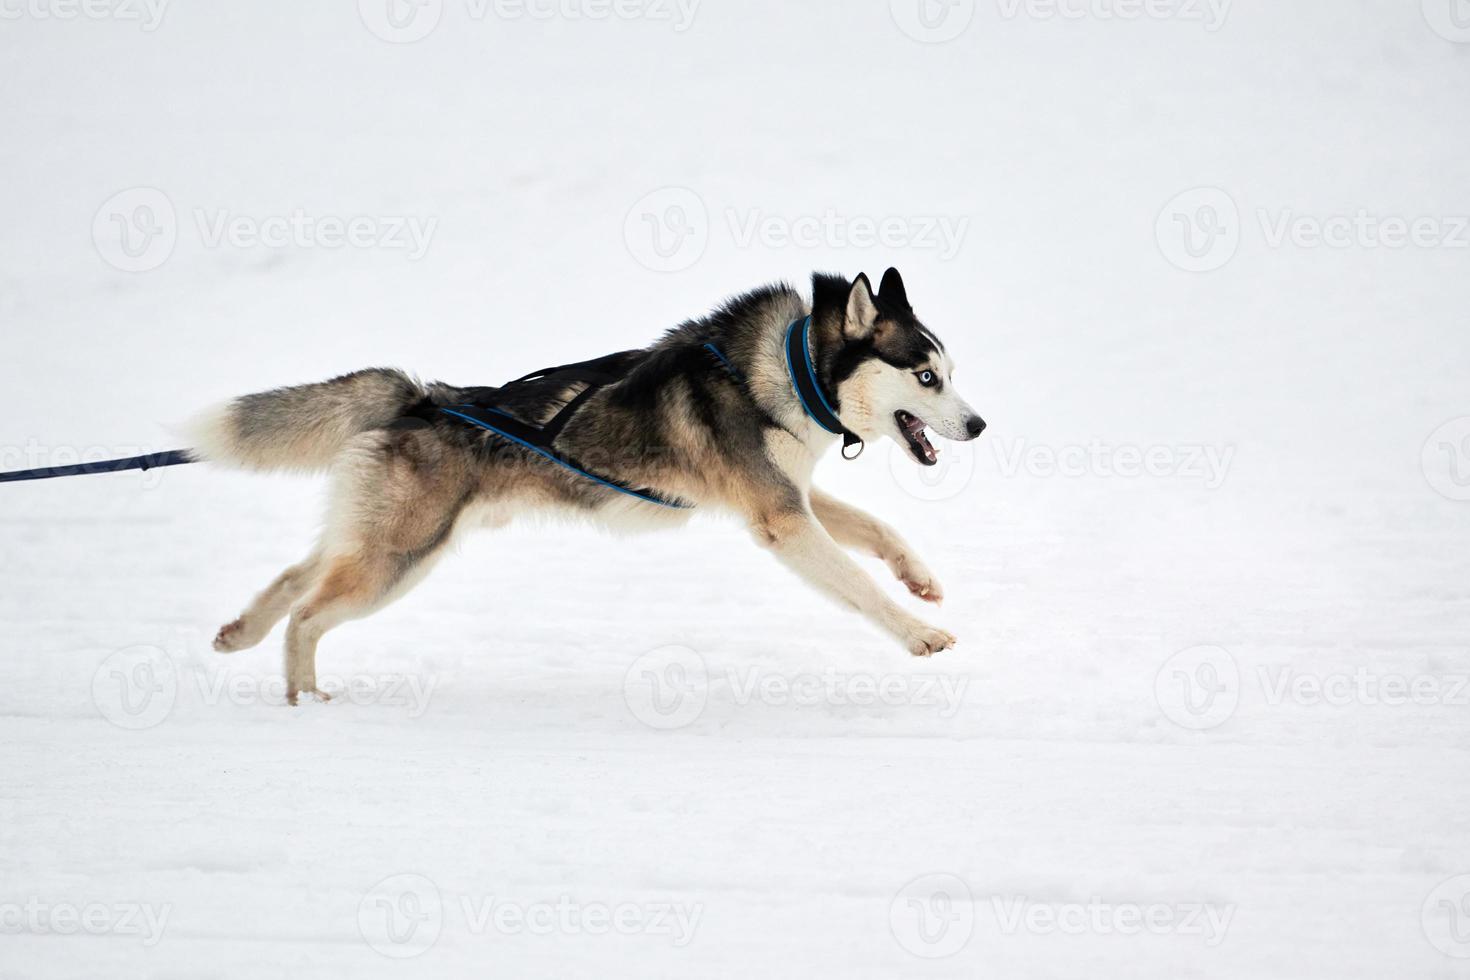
point(484, 412)
point(541, 440)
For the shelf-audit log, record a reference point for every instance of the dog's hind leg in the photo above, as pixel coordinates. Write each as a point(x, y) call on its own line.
point(397, 499)
point(854, 528)
point(267, 609)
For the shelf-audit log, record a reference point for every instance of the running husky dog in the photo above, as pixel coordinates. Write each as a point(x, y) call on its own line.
point(727, 412)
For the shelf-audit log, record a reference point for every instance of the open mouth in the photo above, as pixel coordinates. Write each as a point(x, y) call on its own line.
point(912, 428)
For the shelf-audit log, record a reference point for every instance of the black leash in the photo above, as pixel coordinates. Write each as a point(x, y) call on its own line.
point(173, 457)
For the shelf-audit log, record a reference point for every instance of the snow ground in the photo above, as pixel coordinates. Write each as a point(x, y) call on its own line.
point(1208, 722)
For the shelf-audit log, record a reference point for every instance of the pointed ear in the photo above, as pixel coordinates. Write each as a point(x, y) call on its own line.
point(862, 313)
point(892, 291)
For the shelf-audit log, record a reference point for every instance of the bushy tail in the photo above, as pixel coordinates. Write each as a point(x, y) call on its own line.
point(301, 428)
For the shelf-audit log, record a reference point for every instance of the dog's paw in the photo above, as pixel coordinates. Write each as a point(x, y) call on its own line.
point(293, 698)
point(928, 640)
point(231, 637)
point(918, 580)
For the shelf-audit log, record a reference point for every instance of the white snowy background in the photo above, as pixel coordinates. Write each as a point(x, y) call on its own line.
point(1204, 269)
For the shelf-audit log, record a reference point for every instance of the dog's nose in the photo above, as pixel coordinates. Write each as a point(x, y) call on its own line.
point(975, 426)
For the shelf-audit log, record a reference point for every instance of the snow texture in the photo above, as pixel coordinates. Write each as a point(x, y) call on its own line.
point(1203, 267)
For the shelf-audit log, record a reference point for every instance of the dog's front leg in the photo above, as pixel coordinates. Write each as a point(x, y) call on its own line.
point(804, 546)
point(854, 528)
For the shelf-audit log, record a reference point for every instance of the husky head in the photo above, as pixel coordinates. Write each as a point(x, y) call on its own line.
point(891, 375)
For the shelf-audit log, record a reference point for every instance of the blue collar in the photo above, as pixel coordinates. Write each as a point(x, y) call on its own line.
point(809, 387)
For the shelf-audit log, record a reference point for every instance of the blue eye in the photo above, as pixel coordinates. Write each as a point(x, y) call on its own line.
point(927, 378)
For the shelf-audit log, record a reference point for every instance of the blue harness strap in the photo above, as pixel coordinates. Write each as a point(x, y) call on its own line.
point(541, 440)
